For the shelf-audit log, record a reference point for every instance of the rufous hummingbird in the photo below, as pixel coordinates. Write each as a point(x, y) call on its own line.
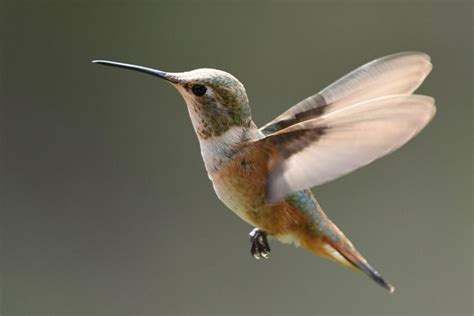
point(264, 174)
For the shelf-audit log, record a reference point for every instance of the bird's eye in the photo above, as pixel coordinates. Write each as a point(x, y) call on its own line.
point(199, 90)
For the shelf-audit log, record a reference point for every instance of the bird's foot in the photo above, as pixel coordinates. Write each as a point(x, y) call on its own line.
point(259, 244)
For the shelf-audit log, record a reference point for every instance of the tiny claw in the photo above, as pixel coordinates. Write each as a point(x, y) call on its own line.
point(259, 244)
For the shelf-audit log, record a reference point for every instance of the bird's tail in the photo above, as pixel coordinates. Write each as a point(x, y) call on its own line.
point(334, 245)
point(351, 255)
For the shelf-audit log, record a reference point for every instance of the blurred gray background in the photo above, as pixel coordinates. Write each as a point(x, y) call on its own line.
point(108, 209)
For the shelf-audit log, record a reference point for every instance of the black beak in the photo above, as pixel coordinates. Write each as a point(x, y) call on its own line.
point(150, 71)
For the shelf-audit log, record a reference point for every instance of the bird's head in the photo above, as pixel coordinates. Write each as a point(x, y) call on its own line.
point(216, 100)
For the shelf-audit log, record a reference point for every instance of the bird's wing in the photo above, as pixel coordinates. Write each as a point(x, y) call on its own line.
point(399, 73)
point(319, 150)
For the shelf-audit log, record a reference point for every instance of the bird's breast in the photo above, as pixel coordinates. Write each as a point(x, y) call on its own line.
point(239, 175)
point(240, 184)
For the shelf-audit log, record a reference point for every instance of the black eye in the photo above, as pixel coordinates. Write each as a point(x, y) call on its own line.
point(199, 90)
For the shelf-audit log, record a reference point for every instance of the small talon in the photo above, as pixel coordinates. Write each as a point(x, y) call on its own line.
point(259, 244)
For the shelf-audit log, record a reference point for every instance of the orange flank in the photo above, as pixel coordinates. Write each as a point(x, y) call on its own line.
point(241, 184)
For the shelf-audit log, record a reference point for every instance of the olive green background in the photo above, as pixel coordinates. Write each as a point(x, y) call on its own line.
point(107, 208)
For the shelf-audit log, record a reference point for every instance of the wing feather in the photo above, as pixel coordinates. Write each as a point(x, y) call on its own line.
point(400, 73)
point(319, 150)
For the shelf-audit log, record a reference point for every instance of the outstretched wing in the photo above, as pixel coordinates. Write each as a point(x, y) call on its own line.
point(399, 73)
point(322, 149)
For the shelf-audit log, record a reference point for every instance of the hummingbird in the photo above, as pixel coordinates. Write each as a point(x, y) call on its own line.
point(264, 175)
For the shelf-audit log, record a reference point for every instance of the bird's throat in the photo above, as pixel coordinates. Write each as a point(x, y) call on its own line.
point(217, 150)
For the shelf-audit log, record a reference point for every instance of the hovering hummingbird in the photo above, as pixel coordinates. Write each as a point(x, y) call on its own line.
point(264, 174)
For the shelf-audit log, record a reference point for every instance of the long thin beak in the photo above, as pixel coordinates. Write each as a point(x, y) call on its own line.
point(150, 71)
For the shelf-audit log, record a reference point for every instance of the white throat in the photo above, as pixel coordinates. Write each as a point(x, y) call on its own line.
point(217, 150)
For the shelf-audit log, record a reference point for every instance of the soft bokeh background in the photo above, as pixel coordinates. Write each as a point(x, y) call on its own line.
point(108, 209)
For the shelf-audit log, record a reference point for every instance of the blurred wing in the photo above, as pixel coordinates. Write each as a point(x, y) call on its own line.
point(316, 151)
point(399, 73)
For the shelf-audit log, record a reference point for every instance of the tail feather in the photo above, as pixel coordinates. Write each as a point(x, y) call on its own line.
point(358, 261)
point(330, 242)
